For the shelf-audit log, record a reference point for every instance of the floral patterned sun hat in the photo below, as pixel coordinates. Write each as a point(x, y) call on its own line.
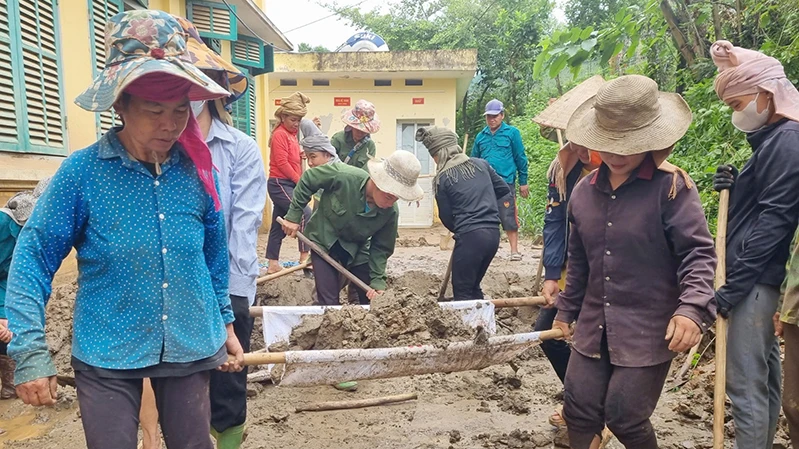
point(362, 117)
point(204, 58)
point(139, 43)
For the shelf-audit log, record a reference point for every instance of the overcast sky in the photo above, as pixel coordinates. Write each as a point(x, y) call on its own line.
point(329, 32)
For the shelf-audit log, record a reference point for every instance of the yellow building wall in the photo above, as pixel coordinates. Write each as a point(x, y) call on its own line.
point(393, 104)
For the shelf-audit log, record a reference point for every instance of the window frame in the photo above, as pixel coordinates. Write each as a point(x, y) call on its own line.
point(122, 5)
point(417, 123)
point(250, 104)
point(259, 64)
point(16, 48)
point(211, 6)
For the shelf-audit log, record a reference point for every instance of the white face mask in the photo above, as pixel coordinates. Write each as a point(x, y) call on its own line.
point(749, 120)
point(197, 107)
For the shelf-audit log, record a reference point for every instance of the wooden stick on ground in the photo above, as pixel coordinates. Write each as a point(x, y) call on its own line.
point(282, 272)
point(720, 387)
point(360, 403)
point(315, 248)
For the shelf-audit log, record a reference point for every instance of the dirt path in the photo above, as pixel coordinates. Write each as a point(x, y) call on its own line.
point(499, 407)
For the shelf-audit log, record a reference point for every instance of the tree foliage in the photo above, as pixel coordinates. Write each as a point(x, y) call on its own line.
point(306, 48)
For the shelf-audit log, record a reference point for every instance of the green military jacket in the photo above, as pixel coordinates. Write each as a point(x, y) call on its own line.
point(368, 236)
point(790, 288)
point(343, 142)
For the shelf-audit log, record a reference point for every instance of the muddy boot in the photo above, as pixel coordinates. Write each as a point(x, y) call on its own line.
point(230, 438)
point(7, 367)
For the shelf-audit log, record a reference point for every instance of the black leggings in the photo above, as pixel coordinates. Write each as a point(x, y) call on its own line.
point(280, 192)
point(473, 253)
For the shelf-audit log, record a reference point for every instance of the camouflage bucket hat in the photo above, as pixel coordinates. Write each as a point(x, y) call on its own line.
point(139, 43)
point(206, 59)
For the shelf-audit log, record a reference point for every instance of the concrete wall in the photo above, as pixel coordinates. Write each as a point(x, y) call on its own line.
point(394, 104)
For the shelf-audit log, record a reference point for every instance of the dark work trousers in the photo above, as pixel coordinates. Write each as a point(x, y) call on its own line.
point(471, 257)
point(109, 409)
point(280, 192)
point(329, 281)
point(229, 390)
point(557, 351)
point(598, 393)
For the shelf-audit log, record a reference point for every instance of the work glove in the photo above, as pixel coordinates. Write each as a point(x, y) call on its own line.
point(725, 177)
point(722, 306)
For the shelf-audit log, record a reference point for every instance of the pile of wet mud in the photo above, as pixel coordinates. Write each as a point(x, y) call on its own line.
point(395, 319)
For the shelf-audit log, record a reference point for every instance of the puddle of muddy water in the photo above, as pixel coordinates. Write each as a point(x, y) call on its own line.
point(21, 428)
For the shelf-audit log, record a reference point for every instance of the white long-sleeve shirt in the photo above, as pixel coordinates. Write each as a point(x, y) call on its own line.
point(242, 184)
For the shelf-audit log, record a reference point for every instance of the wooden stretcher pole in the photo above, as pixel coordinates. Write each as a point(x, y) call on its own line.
point(352, 278)
point(282, 272)
point(720, 387)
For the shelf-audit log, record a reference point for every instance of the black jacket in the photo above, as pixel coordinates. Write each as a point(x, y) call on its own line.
point(764, 210)
point(471, 204)
point(556, 226)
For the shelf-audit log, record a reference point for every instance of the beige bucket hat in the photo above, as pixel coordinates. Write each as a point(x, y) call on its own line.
point(398, 175)
point(628, 116)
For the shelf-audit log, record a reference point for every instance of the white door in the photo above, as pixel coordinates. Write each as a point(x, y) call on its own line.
point(411, 215)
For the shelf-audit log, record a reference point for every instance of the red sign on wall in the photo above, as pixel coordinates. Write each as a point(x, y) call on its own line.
point(418, 101)
point(341, 101)
point(277, 102)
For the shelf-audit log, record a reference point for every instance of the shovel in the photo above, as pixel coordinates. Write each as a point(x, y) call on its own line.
point(328, 367)
point(352, 278)
point(720, 387)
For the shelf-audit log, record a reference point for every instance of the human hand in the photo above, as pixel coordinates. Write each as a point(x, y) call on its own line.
point(563, 327)
point(683, 333)
point(303, 155)
point(723, 307)
point(550, 292)
point(39, 392)
point(290, 229)
point(5, 334)
point(372, 294)
point(777, 325)
point(725, 177)
point(524, 191)
point(316, 121)
point(235, 361)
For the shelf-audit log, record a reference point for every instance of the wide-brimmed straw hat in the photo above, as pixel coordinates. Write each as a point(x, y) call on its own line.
point(559, 111)
point(398, 175)
point(362, 117)
point(628, 116)
point(202, 57)
point(139, 43)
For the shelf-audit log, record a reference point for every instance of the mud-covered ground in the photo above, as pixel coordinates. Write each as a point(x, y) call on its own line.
point(500, 407)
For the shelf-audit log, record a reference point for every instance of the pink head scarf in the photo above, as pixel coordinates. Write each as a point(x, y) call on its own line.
point(746, 72)
point(159, 86)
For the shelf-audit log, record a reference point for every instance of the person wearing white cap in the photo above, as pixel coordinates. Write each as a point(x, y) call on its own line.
point(356, 220)
point(501, 146)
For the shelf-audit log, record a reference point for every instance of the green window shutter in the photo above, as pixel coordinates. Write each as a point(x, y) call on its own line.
point(8, 99)
point(37, 58)
point(248, 52)
point(99, 13)
point(213, 19)
point(243, 112)
point(253, 115)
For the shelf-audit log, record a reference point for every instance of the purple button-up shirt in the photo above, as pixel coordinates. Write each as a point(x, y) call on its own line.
point(636, 259)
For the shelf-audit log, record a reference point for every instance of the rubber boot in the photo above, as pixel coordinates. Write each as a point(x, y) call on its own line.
point(230, 438)
point(7, 367)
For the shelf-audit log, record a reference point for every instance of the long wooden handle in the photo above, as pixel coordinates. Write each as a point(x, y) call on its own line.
point(269, 358)
point(443, 289)
point(282, 272)
point(258, 311)
point(360, 403)
point(352, 278)
point(720, 387)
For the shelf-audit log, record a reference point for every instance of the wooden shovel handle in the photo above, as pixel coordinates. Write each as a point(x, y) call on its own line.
point(720, 387)
point(352, 278)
